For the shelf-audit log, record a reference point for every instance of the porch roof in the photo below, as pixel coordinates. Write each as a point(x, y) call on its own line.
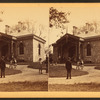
point(67, 35)
point(6, 36)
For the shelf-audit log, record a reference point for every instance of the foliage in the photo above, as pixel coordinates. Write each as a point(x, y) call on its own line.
point(97, 67)
point(29, 26)
point(92, 27)
point(57, 18)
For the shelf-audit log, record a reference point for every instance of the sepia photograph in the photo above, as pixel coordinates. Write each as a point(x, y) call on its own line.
point(23, 49)
point(49, 50)
point(75, 49)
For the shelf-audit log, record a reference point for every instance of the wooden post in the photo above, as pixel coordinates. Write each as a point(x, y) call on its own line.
point(12, 53)
point(79, 50)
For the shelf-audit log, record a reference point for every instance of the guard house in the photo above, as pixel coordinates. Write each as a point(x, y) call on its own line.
point(87, 48)
point(68, 46)
point(84, 44)
point(24, 48)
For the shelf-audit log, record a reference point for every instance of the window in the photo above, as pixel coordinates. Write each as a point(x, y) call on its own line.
point(88, 50)
point(21, 48)
point(39, 49)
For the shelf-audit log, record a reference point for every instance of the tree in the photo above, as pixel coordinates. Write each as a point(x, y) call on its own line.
point(57, 18)
point(31, 27)
point(93, 26)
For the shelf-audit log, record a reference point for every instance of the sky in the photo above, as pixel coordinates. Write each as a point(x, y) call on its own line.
point(78, 17)
point(14, 14)
point(37, 15)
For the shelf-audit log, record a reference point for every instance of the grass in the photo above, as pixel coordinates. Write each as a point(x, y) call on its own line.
point(24, 86)
point(35, 65)
point(89, 87)
point(97, 67)
point(10, 71)
point(60, 71)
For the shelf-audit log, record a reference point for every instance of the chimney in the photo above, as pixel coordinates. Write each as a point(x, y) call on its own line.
point(87, 27)
point(19, 26)
point(75, 30)
point(7, 29)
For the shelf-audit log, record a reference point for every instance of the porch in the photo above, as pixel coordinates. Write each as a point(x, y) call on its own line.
point(68, 46)
point(7, 46)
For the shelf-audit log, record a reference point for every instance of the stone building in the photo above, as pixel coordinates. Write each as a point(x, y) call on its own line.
point(25, 47)
point(77, 47)
point(91, 49)
point(68, 46)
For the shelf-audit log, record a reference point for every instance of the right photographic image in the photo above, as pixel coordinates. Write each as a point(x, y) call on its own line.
point(74, 49)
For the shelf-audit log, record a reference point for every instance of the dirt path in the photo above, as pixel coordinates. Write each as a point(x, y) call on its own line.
point(27, 74)
point(93, 76)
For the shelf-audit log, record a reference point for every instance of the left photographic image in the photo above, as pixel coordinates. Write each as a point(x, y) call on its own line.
point(23, 49)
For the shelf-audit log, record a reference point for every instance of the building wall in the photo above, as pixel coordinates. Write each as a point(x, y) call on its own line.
point(95, 52)
point(36, 55)
point(28, 50)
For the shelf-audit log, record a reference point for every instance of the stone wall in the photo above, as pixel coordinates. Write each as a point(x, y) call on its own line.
point(95, 52)
point(36, 55)
point(28, 50)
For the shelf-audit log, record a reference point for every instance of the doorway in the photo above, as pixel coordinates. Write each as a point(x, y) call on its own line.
point(4, 50)
point(72, 53)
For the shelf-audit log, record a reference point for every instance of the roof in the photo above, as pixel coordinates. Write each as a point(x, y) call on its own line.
point(92, 38)
point(6, 35)
point(69, 35)
point(88, 38)
point(30, 36)
point(22, 36)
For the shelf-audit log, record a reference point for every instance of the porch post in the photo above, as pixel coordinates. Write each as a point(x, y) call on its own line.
point(9, 50)
point(76, 52)
point(12, 53)
point(0, 51)
point(79, 49)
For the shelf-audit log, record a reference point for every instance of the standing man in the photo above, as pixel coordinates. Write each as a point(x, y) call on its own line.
point(68, 67)
point(2, 66)
point(40, 67)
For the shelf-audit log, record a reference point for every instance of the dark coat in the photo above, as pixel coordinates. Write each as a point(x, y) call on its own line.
point(68, 65)
point(2, 64)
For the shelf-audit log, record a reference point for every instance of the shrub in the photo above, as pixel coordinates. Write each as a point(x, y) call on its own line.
point(97, 67)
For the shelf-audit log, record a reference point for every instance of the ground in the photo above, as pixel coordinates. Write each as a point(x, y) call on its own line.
point(88, 82)
point(11, 71)
point(60, 71)
point(28, 80)
point(89, 87)
point(24, 86)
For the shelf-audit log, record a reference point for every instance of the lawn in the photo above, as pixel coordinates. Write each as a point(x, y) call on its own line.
point(85, 87)
point(10, 71)
point(97, 67)
point(24, 86)
point(60, 71)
